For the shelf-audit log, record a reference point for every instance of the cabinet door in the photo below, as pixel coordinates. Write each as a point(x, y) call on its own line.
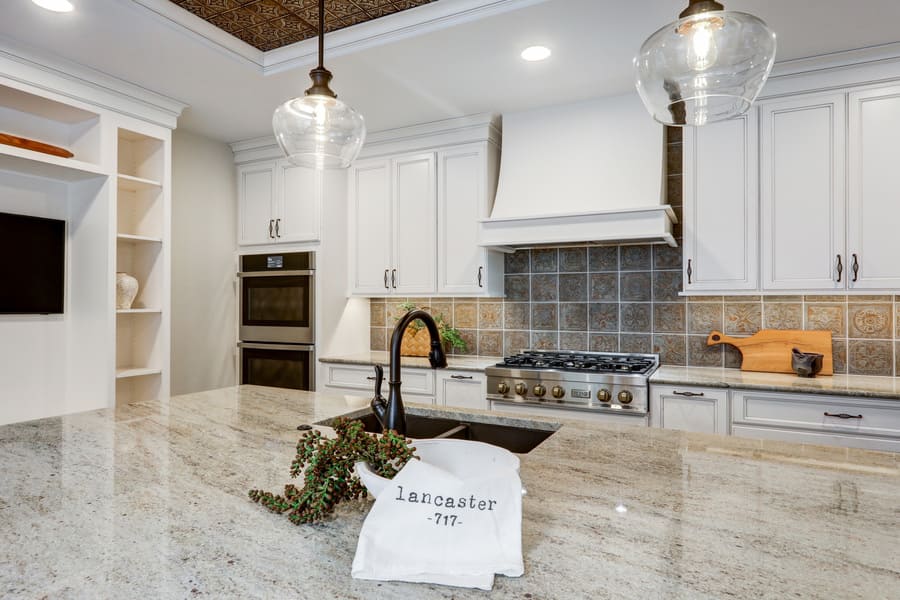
point(461, 204)
point(298, 202)
point(370, 227)
point(415, 225)
point(702, 410)
point(721, 205)
point(256, 195)
point(802, 193)
point(873, 244)
point(462, 389)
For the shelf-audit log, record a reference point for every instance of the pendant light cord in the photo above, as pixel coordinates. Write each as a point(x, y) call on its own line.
point(321, 34)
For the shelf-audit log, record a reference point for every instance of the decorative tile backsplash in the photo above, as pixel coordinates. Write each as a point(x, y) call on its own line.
point(625, 299)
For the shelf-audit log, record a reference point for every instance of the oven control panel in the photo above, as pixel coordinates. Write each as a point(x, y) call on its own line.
point(631, 397)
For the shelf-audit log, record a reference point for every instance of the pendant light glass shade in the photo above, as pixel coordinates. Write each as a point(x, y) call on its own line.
point(708, 66)
point(319, 131)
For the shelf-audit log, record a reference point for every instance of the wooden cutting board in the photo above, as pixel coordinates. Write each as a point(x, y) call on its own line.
point(769, 350)
point(20, 142)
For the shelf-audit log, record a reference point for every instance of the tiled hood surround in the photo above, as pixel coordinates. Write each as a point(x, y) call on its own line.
point(625, 298)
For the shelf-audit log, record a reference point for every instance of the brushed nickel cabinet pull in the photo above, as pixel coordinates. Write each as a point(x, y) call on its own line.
point(677, 393)
point(855, 268)
point(842, 415)
point(840, 268)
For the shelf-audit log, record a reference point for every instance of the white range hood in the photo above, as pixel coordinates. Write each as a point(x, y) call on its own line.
point(591, 172)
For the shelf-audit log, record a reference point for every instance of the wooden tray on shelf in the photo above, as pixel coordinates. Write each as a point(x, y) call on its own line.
point(25, 143)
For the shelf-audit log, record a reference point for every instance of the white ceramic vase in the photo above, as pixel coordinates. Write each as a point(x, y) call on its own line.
point(126, 290)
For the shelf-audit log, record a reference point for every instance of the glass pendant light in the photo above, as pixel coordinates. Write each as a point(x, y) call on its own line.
point(707, 66)
point(318, 130)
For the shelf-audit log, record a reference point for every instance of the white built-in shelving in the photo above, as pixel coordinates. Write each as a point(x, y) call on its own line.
point(142, 338)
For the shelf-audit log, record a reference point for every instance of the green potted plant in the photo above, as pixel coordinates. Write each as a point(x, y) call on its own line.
point(328, 474)
point(416, 344)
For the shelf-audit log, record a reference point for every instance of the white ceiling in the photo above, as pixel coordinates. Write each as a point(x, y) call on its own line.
point(468, 68)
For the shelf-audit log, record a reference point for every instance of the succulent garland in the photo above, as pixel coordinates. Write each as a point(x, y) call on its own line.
point(327, 468)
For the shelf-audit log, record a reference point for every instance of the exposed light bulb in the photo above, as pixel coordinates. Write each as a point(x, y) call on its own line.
point(55, 5)
point(536, 53)
point(702, 51)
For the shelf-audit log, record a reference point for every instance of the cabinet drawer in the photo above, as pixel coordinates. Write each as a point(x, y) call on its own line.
point(463, 389)
point(362, 377)
point(808, 412)
point(698, 409)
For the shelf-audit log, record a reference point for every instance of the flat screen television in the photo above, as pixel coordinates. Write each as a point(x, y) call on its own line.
point(32, 265)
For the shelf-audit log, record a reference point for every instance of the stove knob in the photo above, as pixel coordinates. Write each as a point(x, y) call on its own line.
point(502, 387)
point(625, 397)
point(521, 389)
point(539, 390)
point(604, 395)
point(558, 391)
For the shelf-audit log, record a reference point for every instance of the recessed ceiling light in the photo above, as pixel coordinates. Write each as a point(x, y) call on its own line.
point(536, 53)
point(55, 5)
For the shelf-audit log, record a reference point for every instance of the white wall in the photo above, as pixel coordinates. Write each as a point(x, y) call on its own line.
point(204, 233)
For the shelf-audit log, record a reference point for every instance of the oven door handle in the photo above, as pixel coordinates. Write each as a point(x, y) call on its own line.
point(295, 347)
point(276, 273)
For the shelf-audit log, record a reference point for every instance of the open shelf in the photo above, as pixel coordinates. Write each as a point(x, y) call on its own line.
point(38, 164)
point(138, 239)
point(137, 184)
point(127, 372)
point(140, 156)
point(46, 120)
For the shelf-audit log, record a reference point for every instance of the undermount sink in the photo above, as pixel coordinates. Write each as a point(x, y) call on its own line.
point(519, 438)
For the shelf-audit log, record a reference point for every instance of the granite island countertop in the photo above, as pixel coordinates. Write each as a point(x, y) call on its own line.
point(150, 500)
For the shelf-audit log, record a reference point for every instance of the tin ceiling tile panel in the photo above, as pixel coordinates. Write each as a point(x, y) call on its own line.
point(271, 24)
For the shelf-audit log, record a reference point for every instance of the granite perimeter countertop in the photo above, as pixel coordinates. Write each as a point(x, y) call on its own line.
point(150, 500)
point(839, 385)
point(456, 363)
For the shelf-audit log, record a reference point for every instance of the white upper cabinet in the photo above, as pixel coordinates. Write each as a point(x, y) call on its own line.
point(414, 224)
point(393, 228)
point(256, 189)
point(370, 226)
point(464, 195)
point(721, 205)
point(802, 197)
point(278, 203)
point(873, 242)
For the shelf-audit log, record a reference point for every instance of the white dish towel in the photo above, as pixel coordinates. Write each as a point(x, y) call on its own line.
point(429, 526)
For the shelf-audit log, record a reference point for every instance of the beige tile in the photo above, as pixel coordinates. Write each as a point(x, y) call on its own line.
point(376, 314)
point(669, 318)
point(743, 299)
point(490, 315)
point(783, 315)
point(877, 298)
point(705, 317)
point(701, 355)
point(515, 341)
point(465, 315)
point(517, 315)
point(839, 355)
point(870, 321)
point(470, 337)
point(826, 298)
point(490, 343)
point(829, 317)
point(440, 309)
point(718, 299)
point(376, 338)
point(782, 298)
point(743, 318)
point(870, 357)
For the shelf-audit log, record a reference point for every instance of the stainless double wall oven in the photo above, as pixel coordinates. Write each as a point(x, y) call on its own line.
point(277, 320)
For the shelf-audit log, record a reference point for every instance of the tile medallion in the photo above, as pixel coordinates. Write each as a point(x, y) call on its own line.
point(573, 317)
point(573, 260)
point(518, 288)
point(603, 316)
point(490, 315)
point(544, 316)
point(603, 258)
point(667, 286)
point(829, 317)
point(603, 342)
point(517, 262)
point(635, 287)
point(571, 340)
point(490, 343)
point(669, 317)
point(545, 260)
point(870, 357)
point(744, 318)
point(465, 315)
point(629, 342)
point(782, 315)
point(515, 341)
point(635, 258)
point(545, 288)
point(573, 287)
point(635, 317)
point(701, 355)
point(705, 317)
point(870, 321)
point(672, 349)
point(517, 315)
point(604, 287)
point(545, 340)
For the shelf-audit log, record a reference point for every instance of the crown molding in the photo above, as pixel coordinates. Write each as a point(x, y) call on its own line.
point(383, 30)
point(53, 73)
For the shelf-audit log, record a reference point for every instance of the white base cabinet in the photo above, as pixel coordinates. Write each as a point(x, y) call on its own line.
point(462, 389)
point(809, 418)
point(359, 380)
point(688, 408)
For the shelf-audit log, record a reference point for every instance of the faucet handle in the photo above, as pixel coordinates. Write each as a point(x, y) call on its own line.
point(379, 377)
